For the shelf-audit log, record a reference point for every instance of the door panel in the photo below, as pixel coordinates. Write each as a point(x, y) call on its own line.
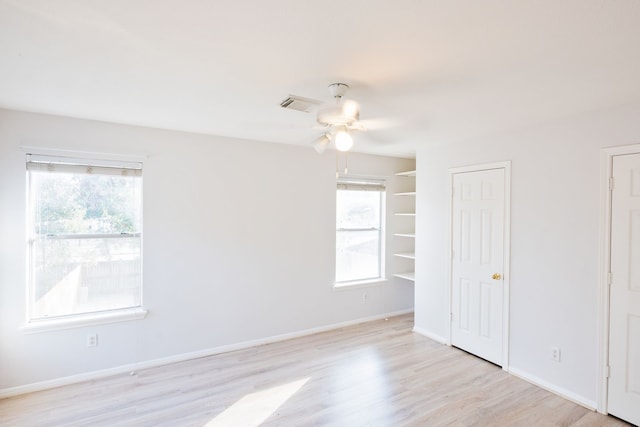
point(634, 251)
point(478, 252)
point(634, 354)
point(485, 237)
point(624, 312)
point(485, 310)
point(465, 290)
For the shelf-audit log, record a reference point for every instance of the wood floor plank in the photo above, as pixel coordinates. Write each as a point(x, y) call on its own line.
point(374, 374)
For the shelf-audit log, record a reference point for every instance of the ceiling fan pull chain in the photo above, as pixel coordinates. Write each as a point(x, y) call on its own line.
point(346, 162)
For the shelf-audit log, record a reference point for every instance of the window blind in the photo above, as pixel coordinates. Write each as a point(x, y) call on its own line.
point(361, 185)
point(42, 163)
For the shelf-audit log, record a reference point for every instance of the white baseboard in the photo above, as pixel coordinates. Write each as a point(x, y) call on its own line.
point(569, 395)
point(132, 367)
point(430, 335)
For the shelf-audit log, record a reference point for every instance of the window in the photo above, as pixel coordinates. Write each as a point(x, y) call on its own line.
point(359, 231)
point(84, 225)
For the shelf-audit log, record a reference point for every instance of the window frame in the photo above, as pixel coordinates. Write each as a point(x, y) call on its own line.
point(67, 162)
point(364, 184)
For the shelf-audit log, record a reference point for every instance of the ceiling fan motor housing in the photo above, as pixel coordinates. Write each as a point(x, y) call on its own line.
point(343, 112)
point(338, 90)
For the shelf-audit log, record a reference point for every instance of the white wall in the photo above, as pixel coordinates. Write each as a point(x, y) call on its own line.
point(555, 206)
point(238, 245)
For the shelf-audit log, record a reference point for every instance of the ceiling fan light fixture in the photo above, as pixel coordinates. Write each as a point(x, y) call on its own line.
point(338, 118)
point(321, 143)
point(344, 141)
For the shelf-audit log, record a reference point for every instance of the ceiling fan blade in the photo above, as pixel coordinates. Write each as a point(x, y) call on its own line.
point(377, 124)
point(351, 109)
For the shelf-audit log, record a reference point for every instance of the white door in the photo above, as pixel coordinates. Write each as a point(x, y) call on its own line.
point(478, 210)
point(624, 311)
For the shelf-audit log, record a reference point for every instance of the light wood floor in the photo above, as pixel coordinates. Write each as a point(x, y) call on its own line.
point(375, 374)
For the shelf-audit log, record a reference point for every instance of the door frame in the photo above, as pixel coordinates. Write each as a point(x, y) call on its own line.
point(506, 275)
point(606, 172)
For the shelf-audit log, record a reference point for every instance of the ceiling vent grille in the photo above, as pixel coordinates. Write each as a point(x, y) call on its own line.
point(300, 104)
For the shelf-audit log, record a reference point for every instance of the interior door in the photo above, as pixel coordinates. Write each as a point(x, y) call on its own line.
point(478, 214)
point(624, 311)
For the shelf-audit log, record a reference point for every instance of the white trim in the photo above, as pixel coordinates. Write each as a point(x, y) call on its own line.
point(94, 155)
point(77, 321)
point(345, 286)
point(569, 395)
point(450, 257)
point(481, 167)
point(430, 335)
point(133, 367)
point(382, 230)
point(73, 161)
point(506, 276)
point(604, 255)
point(506, 308)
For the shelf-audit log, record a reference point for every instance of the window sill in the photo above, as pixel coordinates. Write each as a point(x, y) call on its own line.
point(358, 284)
point(45, 325)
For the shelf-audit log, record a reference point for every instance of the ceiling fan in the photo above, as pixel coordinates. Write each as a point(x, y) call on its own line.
point(338, 119)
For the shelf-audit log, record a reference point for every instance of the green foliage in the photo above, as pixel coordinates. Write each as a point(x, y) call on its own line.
point(82, 203)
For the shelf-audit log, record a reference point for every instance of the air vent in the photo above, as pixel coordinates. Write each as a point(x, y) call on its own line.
point(300, 104)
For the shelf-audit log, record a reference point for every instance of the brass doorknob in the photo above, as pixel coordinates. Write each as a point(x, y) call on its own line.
point(496, 276)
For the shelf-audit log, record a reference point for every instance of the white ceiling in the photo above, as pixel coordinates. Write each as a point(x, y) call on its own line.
point(439, 71)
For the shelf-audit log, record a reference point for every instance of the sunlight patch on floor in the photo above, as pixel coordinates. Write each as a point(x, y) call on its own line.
point(256, 407)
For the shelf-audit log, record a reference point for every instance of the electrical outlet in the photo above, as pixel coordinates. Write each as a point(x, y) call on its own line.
point(92, 340)
point(555, 354)
point(364, 297)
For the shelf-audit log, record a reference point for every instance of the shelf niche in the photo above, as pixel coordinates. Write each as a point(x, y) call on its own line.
point(405, 215)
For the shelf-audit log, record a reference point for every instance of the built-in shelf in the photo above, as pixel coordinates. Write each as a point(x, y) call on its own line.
point(411, 235)
point(406, 221)
point(410, 255)
point(409, 275)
